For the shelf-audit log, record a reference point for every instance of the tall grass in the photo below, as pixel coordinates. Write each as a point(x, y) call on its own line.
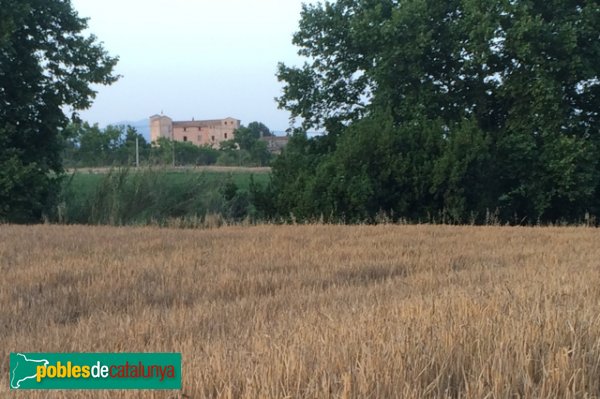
point(152, 196)
point(315, 311)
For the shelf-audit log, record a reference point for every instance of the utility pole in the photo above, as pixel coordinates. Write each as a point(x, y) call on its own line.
point(173, 144)
point(137, 152)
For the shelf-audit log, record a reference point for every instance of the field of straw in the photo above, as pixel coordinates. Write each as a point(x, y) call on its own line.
point(314, 311)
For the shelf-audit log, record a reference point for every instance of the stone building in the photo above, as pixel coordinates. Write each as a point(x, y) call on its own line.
point(211, 132)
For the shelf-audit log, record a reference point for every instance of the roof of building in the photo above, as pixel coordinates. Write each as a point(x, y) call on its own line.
point(155, 116)
point(193, 123)
point(202, 123)
point(206, 123)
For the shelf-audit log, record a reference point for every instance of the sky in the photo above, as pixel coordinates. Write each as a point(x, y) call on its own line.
point(202, 59)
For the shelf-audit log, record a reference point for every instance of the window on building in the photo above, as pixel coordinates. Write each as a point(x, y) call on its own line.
point(185, 129)
point(184, 138)
point(213, 138)
point(199, 128)
point(225, 136)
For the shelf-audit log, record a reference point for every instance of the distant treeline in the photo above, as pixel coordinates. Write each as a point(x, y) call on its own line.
point(86, 145)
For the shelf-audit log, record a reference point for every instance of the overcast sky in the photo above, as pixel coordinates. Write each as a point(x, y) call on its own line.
point(205, 59)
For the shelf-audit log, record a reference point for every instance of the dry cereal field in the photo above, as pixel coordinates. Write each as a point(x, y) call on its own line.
point(314, 311)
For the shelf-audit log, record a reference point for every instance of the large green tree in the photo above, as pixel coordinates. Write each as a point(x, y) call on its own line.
point(482, 106)
point(248, 140)
point(47, 67)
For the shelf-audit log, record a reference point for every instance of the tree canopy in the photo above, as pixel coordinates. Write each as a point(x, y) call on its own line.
point(47, 67)
point(246, 148)
point(453, 110)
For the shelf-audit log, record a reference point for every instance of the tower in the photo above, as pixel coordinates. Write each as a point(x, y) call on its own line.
point(160, 126)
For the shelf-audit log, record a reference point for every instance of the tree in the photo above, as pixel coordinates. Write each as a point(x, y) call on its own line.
point(293, 176)
point(506, 93)
point(93, 145)
point(248, 140)
point(230, 153)
point(71, 139)
point(162, 153)
point(127, 150)
point(259, 129)
point(259, 153)
point(47, 65)
point(86, 145)
point(245, 137)
point(207, 155)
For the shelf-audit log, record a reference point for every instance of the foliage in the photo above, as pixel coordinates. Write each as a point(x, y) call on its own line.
point(445, 111)
point(231, 155)
point(259, 153)
point(292, 174)
point(90, 146)
point(261, 128)
point(47, 65)
point(126, 196)
point(246, 148)
point(87, 146)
